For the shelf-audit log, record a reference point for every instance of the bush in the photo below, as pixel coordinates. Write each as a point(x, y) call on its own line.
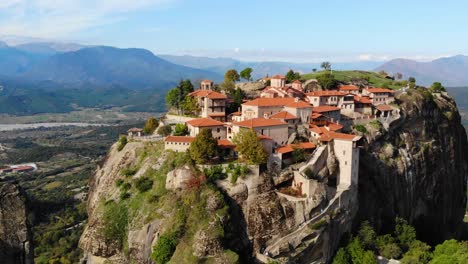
point(143, 184)
point(127, 172)
point(124, 195)
point(115, 223)
point(215, 173)
point(319, 224)
point(181, 130)
point(119, 182)
point(360, 128)
point(164, 248)
point(122, 142)
point(390, 251)
point(150, 125)
point(165, 130)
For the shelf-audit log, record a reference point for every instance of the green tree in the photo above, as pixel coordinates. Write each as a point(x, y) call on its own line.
point(164, 248)
point(418, 253)
point(238, 96)
point(325, 65)
point(189, 105)
point(412, 82)
point(437, 87)
point(298, 155)
point(327, 81)
point(367, 235)
point(246, 74)
point(165, 130)
point(451, 251)
point(115, 223)
point(204, 147)
point(181, 130)
point(177, 95)
point(405, 233)
point(358, 254)
point(122, 142)
point(390, 251)
point(150, 125)
point(228, 86)
point(342, 257)
point(143, 184)
point(231, 76)
point(250, 147)
point(291, 76)
point(172, 98)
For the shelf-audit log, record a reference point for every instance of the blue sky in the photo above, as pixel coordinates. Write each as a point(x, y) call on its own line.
point(308, 31)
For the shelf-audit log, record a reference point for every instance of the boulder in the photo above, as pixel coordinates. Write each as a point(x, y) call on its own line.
point(179, 178)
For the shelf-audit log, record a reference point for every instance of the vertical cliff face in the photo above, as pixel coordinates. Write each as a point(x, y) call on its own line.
point(15, 235)
point(418, 170)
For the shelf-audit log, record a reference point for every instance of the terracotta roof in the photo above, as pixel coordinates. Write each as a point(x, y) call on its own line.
point(206, 81)
point(384, 107)
point(336, 135)
point(316, 115)
point(326, 93)
point(182, 139)
point(283, 115)
point(208, 93)
point(299, 104)
point(329, 135)
point(348, 88)
point(278, 76)
point(260, 122)
point(297, 81)
point(291, 147)
point(134, 129)
point(236, 113)
point(325, 108)
point(204, 122)
point(334, 126)
point(263, 137)
point(224, 143)
point(270, 102)
point(362, 99)
point(379, 90)
point(23, 168)
point(217, 114)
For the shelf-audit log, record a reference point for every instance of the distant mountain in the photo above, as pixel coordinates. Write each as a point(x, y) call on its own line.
point(261, 69)
point(48, 47)
point(451, 71)
point(106, 66)
point(14, 61)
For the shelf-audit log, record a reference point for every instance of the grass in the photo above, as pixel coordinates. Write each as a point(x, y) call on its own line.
point(53, 185)
point(374, 78)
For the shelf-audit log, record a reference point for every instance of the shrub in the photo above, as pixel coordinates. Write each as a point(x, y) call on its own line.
point(150, 125)
point(164, 248)
point(214, 173)
point(122, 142)
point(115, 223)
point(125, 187)
point(127, 172)
point(124, 195)
point(119, 182)
point(165, 130)
point(319, 224)
point(143, 184)
point(390, 251)
point(181, 130)
point(360, 128)
point(376, 124)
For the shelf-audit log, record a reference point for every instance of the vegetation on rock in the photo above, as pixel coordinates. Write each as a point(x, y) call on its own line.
point(150, 125)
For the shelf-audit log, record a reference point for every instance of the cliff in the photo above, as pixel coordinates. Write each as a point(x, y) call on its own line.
point(418, 169)
point(15, 235)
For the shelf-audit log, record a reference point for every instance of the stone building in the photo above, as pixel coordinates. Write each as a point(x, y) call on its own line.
point(273, 128)
point(218, 129)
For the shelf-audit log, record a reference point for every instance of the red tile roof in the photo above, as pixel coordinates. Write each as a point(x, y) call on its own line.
point(263, 137)
point(316, 115)
point(181, 139)
point(134, 129)
point(208, 93)
point(204, 122)
point(270, 102)
point(384, 107)
point(327, 135)
point(334, 126)
point(348, 88)
point(362, 99)
point(299, 104)
point(297, 81)
point(326, 93)
point(379, 90)
point(278, 76)
point(291, 147)
point(224, 143)
point(283, 115)
point(206, 81)
point(260, 122)
point(325, 108)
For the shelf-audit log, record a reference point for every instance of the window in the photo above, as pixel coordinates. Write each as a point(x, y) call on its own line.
point(344, 152)
point(345, 163)
point(262, 132)
point(218, 129)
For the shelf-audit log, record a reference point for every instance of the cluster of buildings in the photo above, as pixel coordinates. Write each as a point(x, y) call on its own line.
point(18, 168)
point(278, 113)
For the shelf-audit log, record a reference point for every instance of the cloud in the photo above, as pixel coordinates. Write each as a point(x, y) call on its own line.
point(56, 19)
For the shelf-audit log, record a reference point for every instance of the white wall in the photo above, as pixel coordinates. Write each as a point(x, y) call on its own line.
point(348, 157)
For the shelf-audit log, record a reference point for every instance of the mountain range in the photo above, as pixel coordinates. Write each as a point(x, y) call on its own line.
point(451, 71)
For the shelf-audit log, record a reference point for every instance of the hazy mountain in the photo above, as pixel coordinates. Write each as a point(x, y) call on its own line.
point(48, 47)
point(14, 61)
point(105, 66)
point(220, 65)
point(451, 71)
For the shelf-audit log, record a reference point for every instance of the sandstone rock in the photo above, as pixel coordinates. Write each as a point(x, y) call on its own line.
point(179, 178)
point(204, 245)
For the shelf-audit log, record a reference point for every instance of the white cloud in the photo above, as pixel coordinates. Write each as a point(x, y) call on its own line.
point(55, 19)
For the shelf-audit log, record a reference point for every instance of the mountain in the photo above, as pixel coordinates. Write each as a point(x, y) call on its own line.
point(14, 61)
point(451, 71)
point(260, 69)
point(48, 47)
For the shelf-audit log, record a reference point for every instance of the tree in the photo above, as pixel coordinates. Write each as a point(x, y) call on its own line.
point(418, 253)
point(150, 125)
point(164, 248)
point(176, 95)
point(231, 75)
point(451, 251)
point(314, 69)
point(367, 235)
point(390, 251)
point(238, 96)
point(122, 142)
point(342, 257)
point(325, 65)
point(405, 233)
point(437, 87)
point(327, 81)
point(189, 105)
point(246, 74)
point(228, 86)
point(291, 76)
point(172, 98)
point(412, 82)
point(298, 155)
point(358, 254)
point(204, 147)
point(165, 130)
point(250, 147)
point(181, 130)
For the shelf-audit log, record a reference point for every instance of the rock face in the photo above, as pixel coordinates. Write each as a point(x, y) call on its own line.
point(179, 178)
point(15, 236)
point(418, 170)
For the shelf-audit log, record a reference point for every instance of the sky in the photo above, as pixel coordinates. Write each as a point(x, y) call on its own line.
point(293, 30)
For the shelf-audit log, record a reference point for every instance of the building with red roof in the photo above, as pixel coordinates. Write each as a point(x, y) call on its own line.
point(218, 129)
point(178, 143)
point(211, 103)
point(379, 95)
point(274, 128)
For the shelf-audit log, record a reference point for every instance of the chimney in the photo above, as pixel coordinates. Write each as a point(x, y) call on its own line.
point(296, 99)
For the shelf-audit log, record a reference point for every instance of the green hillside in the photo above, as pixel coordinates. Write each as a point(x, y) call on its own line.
point(373, 78)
